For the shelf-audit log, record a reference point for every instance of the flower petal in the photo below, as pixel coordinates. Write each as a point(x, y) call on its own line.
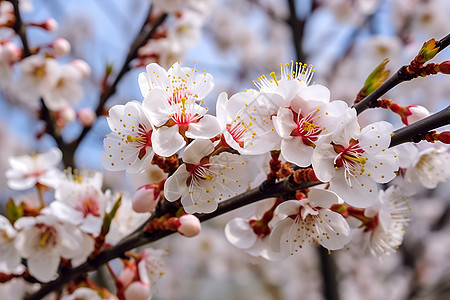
point(239, 232)
point(166, 141)
point(175, 185)
point(196, 150)
point(207, 127)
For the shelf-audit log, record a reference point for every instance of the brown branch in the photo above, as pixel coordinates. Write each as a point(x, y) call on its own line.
point(20, 28)
point(144, 35)
point(400, 76)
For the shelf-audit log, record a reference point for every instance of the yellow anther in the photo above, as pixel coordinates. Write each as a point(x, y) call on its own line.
point(307, 126)
point(131, 139)
point(274, 77)
point(361, 160)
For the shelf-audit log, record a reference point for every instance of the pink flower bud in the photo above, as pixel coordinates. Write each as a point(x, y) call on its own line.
point(11, 53)
point(128, 273)
point(67, 115)
point(189, 225)
point(82, 67)
point(146, 198)
point(50, 25)
point(416, 113)
point(86, 116)
point(138, 290)
point(60, 47)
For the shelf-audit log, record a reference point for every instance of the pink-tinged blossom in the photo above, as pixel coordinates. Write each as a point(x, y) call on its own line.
point(146, 198)
point(310, 221)
point(390, 215)
point(354, 160)
point(309, 116)
point(27, 171)
point(246, 124)
point(204, 180)
point(80, 200)
point(189, 225)
point(172, 102)
point(44, 239)
point(138, 290)
point(129, 145)
point(8, 252)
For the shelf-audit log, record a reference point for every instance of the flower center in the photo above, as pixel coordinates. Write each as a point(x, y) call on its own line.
point(142, 140)
point(47, 235)
point(306, 129)
point(349, 157)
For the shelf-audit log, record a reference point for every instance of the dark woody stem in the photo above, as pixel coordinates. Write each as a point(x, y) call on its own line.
point(371, 101)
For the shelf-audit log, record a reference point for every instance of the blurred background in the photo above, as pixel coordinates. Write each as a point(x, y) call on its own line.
point(237, 41)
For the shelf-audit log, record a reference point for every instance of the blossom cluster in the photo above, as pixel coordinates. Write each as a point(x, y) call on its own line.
point(286, 115)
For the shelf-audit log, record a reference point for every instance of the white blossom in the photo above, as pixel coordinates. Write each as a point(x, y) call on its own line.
point(44, 239)
point(27, 171)
point(204, 180)
point(8, 252)
point(172, 103)
point(354, 160)
point(129, 145)
point(309, 221)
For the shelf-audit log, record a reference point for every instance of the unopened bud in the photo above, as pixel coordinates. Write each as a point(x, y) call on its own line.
point(444, 67)
point(60, 47)
point(82, 67)
point(50, 25)
point(444, 137)
point(428, 51)
point(189, 225)
point(138, 290)
point(146, 198)
point(67, 115)
point(86, 116)
point(416, 113)
point(128, 273)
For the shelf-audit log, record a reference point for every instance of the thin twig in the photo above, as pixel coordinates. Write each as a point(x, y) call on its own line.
point(20, 28)
point(139, 41)
point(400, 76)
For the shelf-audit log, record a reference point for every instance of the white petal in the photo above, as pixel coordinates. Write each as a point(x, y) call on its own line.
point(175, 185)
point(221, 109)
point(323, 161)
point(44, 268)
point(156, 106)
point(207, 127)
point(323, 198)
point(294, 151)
point(277, 242)
point(314, 93)
point(375, 137)
point(166, 141)
point(91, 224)
point(334, 231)
point(284, 122)
point(239, 232)
point(362, 192)
point(196, 150)
point(382, 166)
point(50, 158)
point(288, 208)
